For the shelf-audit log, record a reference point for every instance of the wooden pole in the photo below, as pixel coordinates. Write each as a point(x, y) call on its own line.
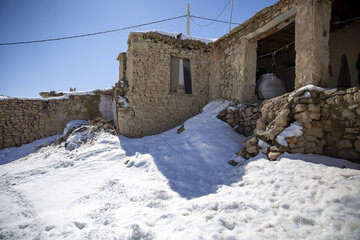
point(232, 5)
point(188, 19)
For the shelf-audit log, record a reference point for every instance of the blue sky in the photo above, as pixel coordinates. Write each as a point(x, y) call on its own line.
point(90, 63)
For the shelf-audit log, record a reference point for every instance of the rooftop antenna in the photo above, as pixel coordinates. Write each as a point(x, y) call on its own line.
point(232, 5)
point(188, 20)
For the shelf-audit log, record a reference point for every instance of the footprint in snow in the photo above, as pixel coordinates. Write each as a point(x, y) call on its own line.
point(80, 225)
point(49, 228)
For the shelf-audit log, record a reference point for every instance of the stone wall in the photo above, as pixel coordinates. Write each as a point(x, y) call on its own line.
point(329, 120)
point(152, 108)
point(242, 117)
point(25, 120)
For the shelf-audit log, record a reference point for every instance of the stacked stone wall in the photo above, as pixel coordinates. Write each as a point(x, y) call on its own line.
point(330, 122)
point(242, 117)
point(25, 120)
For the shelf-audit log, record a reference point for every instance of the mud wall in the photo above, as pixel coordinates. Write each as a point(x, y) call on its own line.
point(26, 120)
point(152, 108)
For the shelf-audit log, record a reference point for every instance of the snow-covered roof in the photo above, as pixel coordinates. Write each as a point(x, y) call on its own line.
point(183, 37)
point(65, 96)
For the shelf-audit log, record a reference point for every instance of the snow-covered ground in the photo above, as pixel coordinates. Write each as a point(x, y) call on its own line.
point(174, 186)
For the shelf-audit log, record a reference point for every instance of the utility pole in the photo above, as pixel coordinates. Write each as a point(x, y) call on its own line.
point(232, 5)
point(188, 20)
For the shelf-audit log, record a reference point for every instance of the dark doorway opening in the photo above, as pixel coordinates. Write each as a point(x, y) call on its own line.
point(344, 44)
point(276, 58)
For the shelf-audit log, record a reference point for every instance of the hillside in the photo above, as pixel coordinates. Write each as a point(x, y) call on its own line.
point(173, 186)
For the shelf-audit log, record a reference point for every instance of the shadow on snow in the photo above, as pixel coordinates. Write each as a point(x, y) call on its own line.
point(193, 165)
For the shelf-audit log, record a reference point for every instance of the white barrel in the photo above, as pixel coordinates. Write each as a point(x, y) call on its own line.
point(269, 86)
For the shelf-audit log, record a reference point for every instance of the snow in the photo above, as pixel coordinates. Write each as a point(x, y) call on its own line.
point(238, 107)
point(106, 107)
point(123, 102)
point(73, 124)
point(307, 87)
point(262, 144)
point(305, 95)
point(175, 186)
point(295, 129)
point(183, 36)
point(65, 96)
point(78, 137)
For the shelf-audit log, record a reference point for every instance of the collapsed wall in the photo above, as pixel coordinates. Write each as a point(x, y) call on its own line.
point(153, 103)
point(26, 120)
point(310, 120)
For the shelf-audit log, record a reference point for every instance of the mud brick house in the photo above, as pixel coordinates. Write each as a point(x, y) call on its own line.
point(310, 36)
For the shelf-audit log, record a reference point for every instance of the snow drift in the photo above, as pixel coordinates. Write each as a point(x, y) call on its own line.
point(174, 186)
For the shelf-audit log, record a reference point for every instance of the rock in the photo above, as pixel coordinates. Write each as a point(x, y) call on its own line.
point(253, 150)
point(181, 129)
point(81, 129)
point(299, 108)
point(316, 124)
point(330, 100)
point(330, 91)
point(274, 149)
point(233, 163)
point(348, 114)
point(298, 150)
point(243, 153)
point(357, 145)
point(266, 151)
point(291, 140)
point(357, 97)
point(315, 116)
point(221, 114)
point(273, 155)
point(282, 118)
point(352, 90)
point(108, 126)
point(349, 136)
point(248, 111)
point(112, 131)
point(251, 142)
point(303, 117)
point(344, 143)
point(260, 123)
point(247, 131)
point(229, 116)
point(38, 147)
point(349, 98)
point(317, 132)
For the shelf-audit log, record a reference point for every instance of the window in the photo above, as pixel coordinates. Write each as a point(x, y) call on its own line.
point(180, 76)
